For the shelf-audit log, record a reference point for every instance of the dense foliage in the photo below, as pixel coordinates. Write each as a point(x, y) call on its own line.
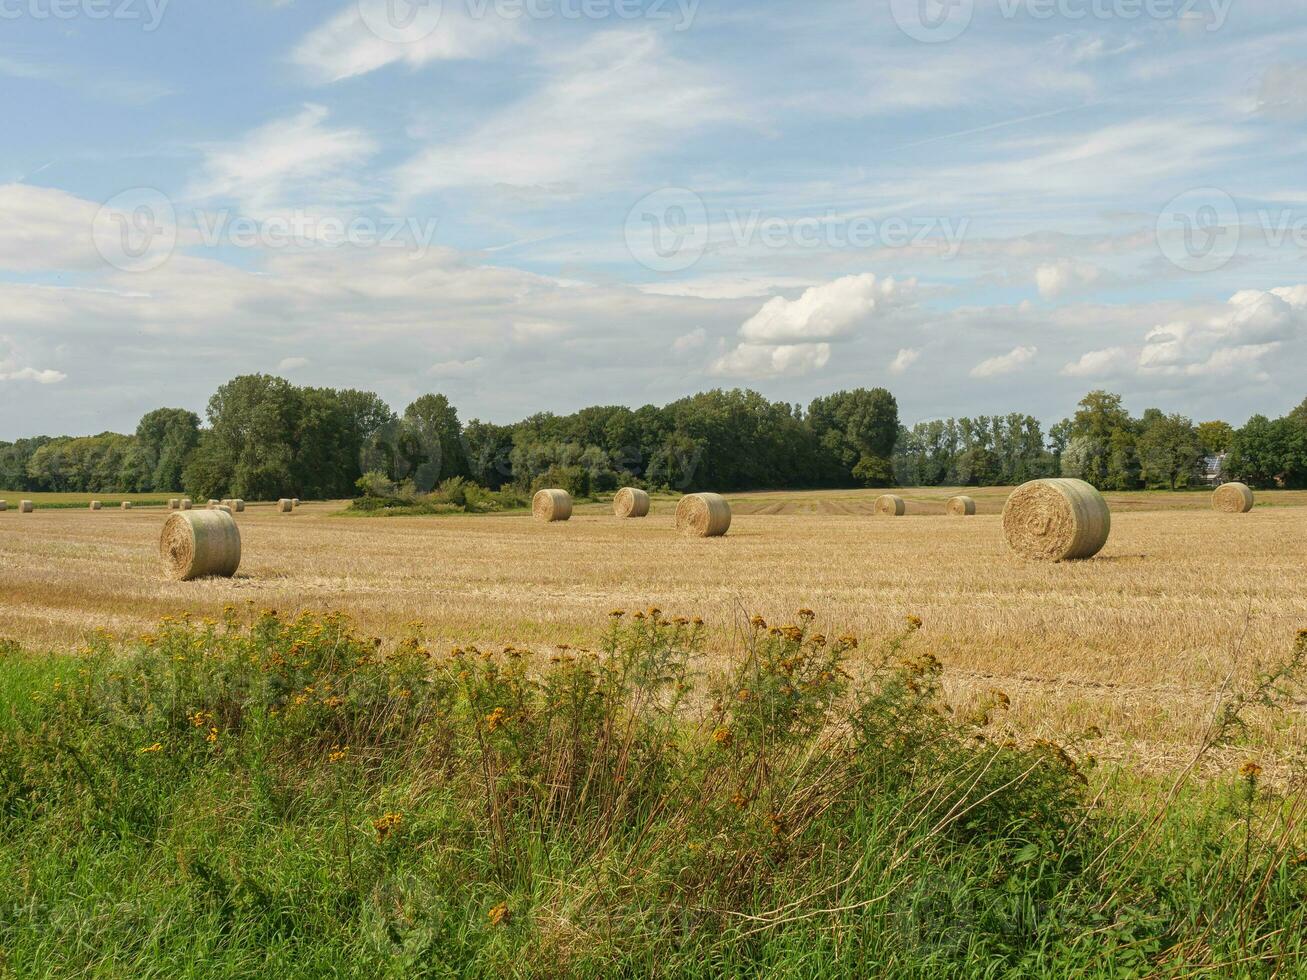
point(266, 438)
point(286, 799)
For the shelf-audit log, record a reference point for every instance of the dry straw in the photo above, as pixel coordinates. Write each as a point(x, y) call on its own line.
point(551, 506)
point(703, 515)
point(1233, 498)
point(284, 506)
point(890, 505)
point(961, 506)
point(186, 503)
point(96, 505)
point(25, 507)
point(200, 544)
point(126, 505)
point(1056, 520)
point(631, 502)
point(174, 503)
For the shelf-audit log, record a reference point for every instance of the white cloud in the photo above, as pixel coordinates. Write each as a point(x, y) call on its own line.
point(45, 229)
point(1013, 360)
point(823, 312)
point(1108, 362)
point(292, 363)
point(617, 99)
point(299, 161)
point(11, 371)
point(1056, 278)
point(687, 342)
point(456, 369)
point(771, 360)
point(903, 360)
point(345, 46)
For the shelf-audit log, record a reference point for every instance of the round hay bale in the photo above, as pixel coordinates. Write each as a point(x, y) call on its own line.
point(890, 505)
point(4, 505)
point(1056, 520)
point(631, 502)
point(703, 515)
point(238, 506)
point(1233, 498)
point(186, 503)
point(294, 501)
point(213, 503)
point(96, 505)
point(284, 506)
point(552, 506)
point(174, 503)
point(25, 507)
point(961, 506)
point(126, 505)
point(200, 544)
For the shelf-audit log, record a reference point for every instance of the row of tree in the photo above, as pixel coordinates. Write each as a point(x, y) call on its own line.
point(266, 437)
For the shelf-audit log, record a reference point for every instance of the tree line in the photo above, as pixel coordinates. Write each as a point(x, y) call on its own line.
point(264, 437)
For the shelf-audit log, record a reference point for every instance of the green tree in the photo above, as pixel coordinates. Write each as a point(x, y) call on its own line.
point(166, 437)
point(433, 441)
point(1215, 437)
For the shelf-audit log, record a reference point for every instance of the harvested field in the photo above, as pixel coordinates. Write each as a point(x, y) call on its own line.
point(1136, 642)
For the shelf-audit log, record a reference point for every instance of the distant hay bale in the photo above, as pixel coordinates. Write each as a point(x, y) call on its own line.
point(186, 503)
point(703, 515)
point(552, 506)
point(295, 501)
point(1233, 498)
point(174, 503)
point(961, 506)
point(4, 505)
point(1056, 520)
point(238, 506)
point(25, 507)
point(223, 508)
point(126, 505)
point(200, 544)
point(631, 502)
point(890, 505)
point(96, 505)
point(213, 503)
point(284, 505)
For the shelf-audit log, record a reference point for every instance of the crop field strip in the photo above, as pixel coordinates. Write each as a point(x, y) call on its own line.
point(1135, 642)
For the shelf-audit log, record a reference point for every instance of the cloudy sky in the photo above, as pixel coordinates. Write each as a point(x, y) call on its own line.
point(985, 205)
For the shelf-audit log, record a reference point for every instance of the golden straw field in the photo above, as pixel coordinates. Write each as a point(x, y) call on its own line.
point(1136, 642)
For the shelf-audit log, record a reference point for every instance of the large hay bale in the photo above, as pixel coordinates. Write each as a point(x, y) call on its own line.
point(238, 506)
point(96, 505)
point(890, 505)
point(1233, 498)
point(961, 506)
point(125, 505)
point(25, 507)
point(703, 515)
point(284, 506)
point(186, 503)
point(1056, 520)
point(174, 503)
point(631, 502)
point(200, 544)
point(552, 506)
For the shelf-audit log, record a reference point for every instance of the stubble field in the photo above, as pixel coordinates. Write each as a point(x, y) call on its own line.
point(1137, 643)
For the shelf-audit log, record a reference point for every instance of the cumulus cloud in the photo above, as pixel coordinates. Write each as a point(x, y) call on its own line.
point(45, 229)
point(346, 46)
point(11, 370)
point(1107, 362)
point(823, 312)
point(292, 363)
point(903, 360)
point(1056, 278)
point(771, 360)
point(687, 342)
point(1013, 360)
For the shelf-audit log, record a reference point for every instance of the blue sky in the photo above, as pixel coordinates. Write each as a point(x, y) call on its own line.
point(985, 205)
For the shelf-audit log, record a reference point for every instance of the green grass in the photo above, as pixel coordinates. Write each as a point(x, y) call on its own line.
point(285, 798)
point(72, 501)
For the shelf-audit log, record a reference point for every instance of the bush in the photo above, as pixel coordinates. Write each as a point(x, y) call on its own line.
point(290, 796)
